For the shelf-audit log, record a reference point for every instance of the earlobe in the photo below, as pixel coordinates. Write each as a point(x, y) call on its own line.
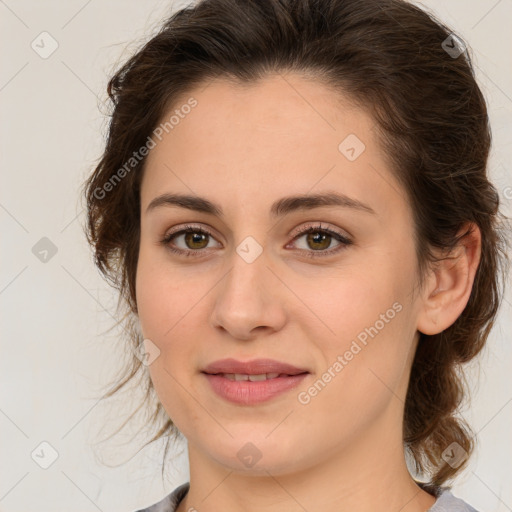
point(450, 282)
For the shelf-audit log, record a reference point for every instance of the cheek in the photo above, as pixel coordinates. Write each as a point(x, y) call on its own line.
point(161, 295)
point(165, 315)
point(169, 302)
point(363, 377)
point(367, 336)
point(169, 310)
point(348, 304)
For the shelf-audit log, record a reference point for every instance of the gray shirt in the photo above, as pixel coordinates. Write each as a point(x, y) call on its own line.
point(445, 502)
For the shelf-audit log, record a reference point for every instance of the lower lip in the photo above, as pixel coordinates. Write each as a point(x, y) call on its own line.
point(246, 392)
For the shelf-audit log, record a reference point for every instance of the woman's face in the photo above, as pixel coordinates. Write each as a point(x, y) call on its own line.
point(343, 314)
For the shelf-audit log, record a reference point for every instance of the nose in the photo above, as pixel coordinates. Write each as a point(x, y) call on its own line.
point(249, 300)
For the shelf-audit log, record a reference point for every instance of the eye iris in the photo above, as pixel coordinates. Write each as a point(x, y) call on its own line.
point(317, 238)
point(195, 237)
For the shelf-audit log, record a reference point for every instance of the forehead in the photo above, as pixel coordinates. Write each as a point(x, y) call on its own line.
point(272, 103)
point(280, 135)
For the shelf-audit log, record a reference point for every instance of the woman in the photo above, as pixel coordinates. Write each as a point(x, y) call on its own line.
point(293, 203)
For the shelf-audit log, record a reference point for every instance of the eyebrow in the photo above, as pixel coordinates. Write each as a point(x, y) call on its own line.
point(279, 208)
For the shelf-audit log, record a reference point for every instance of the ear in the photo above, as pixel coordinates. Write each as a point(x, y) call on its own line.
point(448, 286)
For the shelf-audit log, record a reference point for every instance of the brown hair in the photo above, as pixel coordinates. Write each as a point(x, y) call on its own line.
point(394, 60)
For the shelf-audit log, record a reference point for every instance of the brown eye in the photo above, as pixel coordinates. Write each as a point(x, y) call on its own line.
point(195, 240)
point(190, 241)
point(318, 240)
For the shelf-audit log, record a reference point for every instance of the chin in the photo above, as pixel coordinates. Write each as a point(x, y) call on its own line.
point(256, 454)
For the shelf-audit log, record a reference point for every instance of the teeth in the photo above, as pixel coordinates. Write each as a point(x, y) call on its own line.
point(252, 378)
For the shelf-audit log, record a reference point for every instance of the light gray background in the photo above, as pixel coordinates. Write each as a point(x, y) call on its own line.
point(56, 354)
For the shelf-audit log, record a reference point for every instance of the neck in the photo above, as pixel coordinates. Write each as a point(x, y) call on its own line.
point(368, 478)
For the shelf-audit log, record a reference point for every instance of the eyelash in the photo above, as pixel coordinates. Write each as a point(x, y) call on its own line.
point(344, 241)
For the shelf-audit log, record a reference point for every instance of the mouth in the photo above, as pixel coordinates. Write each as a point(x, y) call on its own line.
point(253, 378)
point(256, 367)
point(252, 382)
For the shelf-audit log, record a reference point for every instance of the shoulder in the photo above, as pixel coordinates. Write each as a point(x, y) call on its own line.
point(170, 502)
point(447, 502)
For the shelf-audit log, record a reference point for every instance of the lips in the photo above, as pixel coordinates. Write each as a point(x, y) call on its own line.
point(254, 367)
point(253, 378)
point(252, 382)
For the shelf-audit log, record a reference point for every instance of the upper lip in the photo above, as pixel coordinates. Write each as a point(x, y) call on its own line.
point(254, 367)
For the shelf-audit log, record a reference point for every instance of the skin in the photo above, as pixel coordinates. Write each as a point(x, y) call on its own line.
point(244, 148)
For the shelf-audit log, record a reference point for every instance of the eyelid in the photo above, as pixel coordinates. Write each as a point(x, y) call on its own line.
point(320, 226)
point(184, 227)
